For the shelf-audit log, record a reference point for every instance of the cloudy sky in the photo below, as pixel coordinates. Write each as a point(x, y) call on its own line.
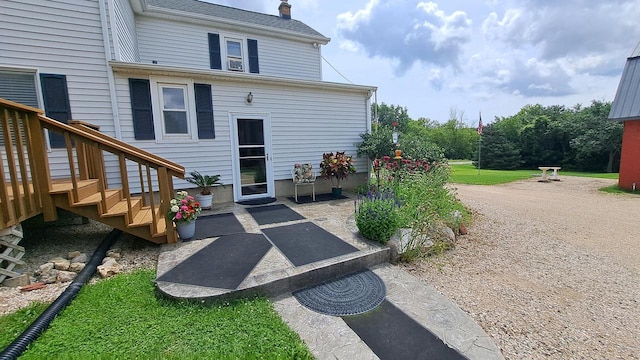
point(493, 56)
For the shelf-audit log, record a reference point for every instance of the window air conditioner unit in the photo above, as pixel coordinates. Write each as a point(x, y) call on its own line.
point(234, 64)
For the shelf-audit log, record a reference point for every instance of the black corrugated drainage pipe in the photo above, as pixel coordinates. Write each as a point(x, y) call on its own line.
point(19, 345)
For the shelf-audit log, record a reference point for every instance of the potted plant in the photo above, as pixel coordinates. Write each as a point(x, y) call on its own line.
point(204, 182)
point(184, 211)
point(336, 167)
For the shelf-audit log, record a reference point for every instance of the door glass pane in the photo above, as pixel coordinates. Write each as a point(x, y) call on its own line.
point(246, 152)
point(250, 132)
point(253, 171)
point(173, 98)
point(254, 189)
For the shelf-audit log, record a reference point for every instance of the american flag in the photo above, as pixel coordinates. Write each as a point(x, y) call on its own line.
point(480, 126)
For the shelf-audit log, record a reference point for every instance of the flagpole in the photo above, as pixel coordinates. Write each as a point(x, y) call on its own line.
point(480, 128)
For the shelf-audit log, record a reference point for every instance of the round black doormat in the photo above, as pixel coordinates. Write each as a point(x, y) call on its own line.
point(352, 294)
point(259, 201)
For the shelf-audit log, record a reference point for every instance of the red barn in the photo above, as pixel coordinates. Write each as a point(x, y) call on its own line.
point(626, 108)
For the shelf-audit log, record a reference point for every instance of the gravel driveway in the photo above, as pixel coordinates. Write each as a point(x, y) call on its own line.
point(549, 270)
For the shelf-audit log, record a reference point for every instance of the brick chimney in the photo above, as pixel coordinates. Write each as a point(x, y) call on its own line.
point(285, 10)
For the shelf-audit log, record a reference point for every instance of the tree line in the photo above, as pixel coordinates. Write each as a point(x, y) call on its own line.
point(577, 138)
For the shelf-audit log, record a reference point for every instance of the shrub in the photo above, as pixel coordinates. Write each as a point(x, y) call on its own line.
point(377, 216)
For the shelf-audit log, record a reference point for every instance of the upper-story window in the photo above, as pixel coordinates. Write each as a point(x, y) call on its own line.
point(235, 60)
point(234, 54)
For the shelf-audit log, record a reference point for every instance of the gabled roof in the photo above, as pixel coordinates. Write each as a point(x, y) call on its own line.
point(234, 15)
point(626, 105)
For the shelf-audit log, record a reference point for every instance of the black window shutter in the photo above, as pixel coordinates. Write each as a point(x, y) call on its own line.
point(140, 92)
point(214, 51)
point(56, 103)
point(254, 64)
point(204, 111)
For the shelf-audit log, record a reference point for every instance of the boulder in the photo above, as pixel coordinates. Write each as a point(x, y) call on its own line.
point(60, 263)
point(114, 253)
point(80, 258)
point(49, 277)
point(44, 268)
point(76, 267)
point(22, 280)
point(66, 276)
point(109, 267)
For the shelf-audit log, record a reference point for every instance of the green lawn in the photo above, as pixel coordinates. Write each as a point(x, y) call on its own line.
point(122, 318)
point(468, 174)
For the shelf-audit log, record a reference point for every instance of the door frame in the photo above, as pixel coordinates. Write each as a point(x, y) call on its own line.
point(235, 161)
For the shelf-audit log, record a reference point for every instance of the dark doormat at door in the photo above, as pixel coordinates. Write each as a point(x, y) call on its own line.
point(273, 214)
point(306, 242)
point(307, 199)
point(261, 201)
point(217, 225)
point(223, 264)
point(392, 334)
point(351, 294)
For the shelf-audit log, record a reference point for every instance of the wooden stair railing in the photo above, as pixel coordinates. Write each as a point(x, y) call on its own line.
point(86, 191)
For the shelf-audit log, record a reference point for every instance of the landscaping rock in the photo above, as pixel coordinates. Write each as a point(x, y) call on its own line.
point(76, 267)
point(66, 276)
point(73, 254)
point(402, 241)
point(463, 230)
point(60, 263)
point(49, 277)
point(114, 253)
point(22, 280)
point(109, 267)
point(80, 258)
point(44, 268)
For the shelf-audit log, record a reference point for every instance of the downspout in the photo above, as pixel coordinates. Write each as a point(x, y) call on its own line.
point(33, 332)
point(108, 57)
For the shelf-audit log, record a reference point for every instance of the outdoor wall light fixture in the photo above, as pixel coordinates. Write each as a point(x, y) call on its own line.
point(249, 98)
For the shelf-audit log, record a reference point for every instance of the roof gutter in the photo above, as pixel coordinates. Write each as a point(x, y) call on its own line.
point(219, 75)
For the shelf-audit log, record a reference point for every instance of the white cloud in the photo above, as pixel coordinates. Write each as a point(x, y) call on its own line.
point(407, 32)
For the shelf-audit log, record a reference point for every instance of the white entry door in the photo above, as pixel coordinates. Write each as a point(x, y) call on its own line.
point(253, 171)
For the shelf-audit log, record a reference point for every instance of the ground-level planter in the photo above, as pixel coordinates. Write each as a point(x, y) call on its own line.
point(186, 230)
point(336, 192)
point(206, 201)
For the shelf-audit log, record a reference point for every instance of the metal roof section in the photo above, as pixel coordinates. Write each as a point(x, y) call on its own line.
point(221, 12)
point(636, 51)
point(626, 105)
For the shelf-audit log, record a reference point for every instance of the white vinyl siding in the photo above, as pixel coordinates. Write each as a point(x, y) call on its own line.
point(125, 24)
point(61, 37)
point(172, 43)
point(304, 124)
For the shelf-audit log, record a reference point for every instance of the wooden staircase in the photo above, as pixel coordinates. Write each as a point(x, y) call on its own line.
point(29, 190)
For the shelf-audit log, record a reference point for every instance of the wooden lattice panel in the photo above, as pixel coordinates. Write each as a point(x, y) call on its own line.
point(10, 251)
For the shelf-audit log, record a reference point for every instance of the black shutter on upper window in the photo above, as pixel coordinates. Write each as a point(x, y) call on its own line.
point(56, 103)
point(141, 110)
point(215, 58)
point(204, 111)
point(254, 64)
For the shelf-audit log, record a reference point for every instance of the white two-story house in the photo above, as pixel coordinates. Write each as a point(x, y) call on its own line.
point(213, 88)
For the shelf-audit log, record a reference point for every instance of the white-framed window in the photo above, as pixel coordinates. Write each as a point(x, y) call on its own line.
point(174, 109)
point(235, 54)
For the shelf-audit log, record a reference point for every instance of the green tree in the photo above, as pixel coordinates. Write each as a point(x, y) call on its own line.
point(377, 143)
point(497, 152)
point(599, 143)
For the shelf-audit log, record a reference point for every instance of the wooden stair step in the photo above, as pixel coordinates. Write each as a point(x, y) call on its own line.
point(143, 217)
point(96, 198)
point(61, 186)
point(122, 207)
